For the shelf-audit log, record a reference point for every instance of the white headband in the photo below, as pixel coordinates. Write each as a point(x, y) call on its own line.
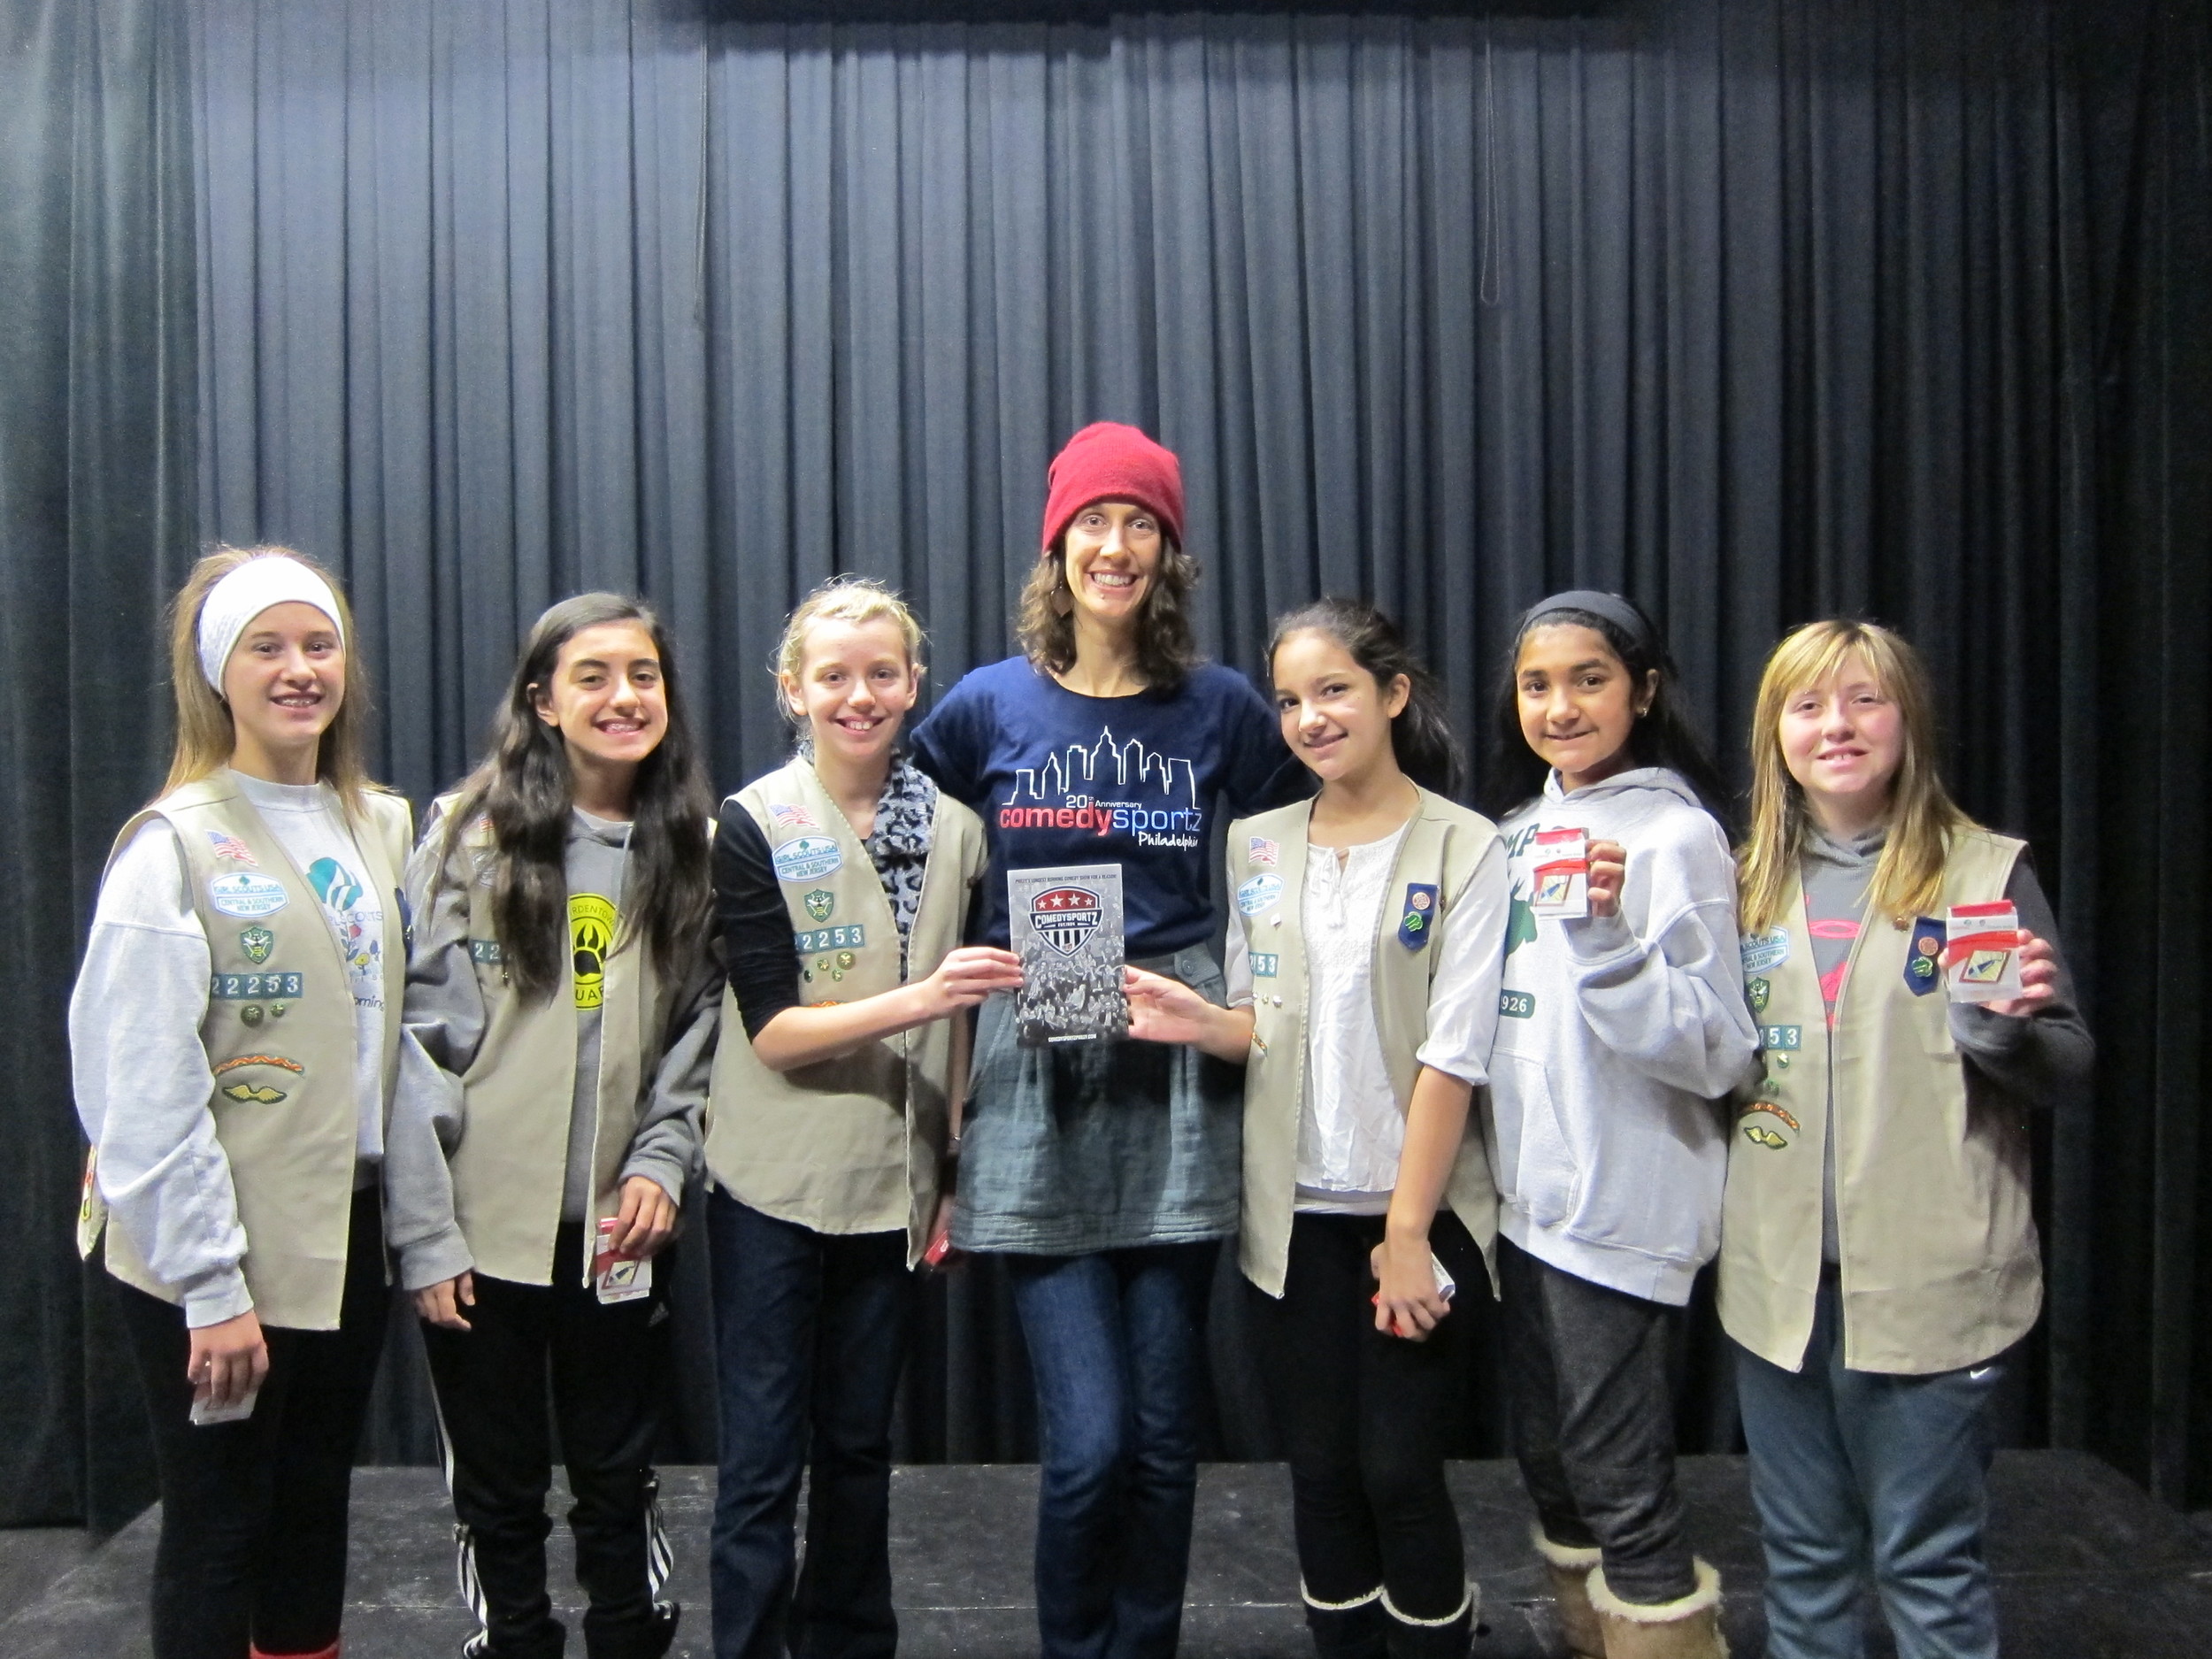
point(248, 591)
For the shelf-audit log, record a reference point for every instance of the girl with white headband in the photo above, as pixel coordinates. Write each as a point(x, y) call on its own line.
point(232, 1035)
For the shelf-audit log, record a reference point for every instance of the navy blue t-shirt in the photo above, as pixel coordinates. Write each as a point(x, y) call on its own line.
point(1142, 780)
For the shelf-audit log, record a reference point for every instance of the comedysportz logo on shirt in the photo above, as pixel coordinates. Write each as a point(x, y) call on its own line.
point(1154, 798)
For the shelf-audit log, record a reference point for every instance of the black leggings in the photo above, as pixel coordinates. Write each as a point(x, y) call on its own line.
point(1366, 1419)
point(253, 1514)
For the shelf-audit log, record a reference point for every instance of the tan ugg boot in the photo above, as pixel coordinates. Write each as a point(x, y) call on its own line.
point(1570, 1570)
point(1687, 1629)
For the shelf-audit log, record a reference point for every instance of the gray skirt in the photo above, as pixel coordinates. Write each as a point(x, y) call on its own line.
point(1100, 1146)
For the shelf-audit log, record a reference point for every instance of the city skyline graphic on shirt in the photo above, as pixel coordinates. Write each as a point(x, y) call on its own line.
point(1072, 780)
point(1074, 771)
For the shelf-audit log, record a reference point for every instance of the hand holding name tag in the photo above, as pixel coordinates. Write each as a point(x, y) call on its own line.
point(1559, 882)
point(1990, 960)
point(1609, 869)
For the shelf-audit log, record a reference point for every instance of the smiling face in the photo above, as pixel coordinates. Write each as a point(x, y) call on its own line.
point(1578, 703)
point(605, 695)
point(284, 682)
point(1844, 741)
point(856, 683)
point(1112, 553)
point(1334, 715)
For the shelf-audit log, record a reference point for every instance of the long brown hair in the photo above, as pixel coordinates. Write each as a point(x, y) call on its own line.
point(1422, 740)
point(1045, 623)
point(206, 733)
point(525, 788)
point(1908, 878)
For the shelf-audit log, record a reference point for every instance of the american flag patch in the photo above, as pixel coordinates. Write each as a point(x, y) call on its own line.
point(792, 817)
point(231, 848)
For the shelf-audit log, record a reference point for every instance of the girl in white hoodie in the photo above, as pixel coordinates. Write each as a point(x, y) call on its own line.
point(1617, 1030)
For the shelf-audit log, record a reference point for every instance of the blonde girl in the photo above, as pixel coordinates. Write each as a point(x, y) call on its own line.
point(1879, 1258)
point(1363, 953)
point(560, 1016)
point(232, 1035)
point(841, 881)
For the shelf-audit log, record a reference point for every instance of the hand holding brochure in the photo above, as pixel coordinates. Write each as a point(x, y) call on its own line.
point(1066, 927)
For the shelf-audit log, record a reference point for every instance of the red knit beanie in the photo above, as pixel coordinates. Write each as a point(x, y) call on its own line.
point(1107, 461)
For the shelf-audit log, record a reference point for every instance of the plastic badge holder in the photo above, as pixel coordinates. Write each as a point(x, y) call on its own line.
point(1981, 957)
point(238, 1410)
point(1560, 883)
point(1446, 1284)
point(620, 1275)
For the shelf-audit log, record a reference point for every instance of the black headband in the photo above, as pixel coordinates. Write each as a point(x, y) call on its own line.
point(1611, 607)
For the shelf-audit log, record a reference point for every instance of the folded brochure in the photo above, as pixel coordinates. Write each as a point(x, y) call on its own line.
point(1066, 927)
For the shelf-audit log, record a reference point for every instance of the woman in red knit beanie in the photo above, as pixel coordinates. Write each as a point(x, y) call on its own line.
point(1108, 1172)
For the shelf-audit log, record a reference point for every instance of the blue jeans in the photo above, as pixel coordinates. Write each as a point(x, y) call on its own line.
point(1859, 1474)
point(810, 1334)
point(1114, 1342)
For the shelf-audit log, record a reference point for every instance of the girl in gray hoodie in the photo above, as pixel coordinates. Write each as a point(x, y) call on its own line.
point(1617, 1031)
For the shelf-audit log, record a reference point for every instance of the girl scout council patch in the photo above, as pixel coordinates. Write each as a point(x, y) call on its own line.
point(247, 894)
point(808, 858)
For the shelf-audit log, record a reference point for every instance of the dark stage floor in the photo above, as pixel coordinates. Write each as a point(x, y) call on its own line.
point(2088, 1567)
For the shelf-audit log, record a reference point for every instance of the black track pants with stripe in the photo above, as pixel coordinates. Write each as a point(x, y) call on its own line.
point(607, 1366)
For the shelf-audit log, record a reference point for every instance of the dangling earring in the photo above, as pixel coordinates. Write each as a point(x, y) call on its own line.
point(1063, 598)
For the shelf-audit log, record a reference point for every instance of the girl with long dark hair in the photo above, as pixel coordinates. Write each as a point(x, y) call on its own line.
point(560, 1020)
point(1364, 953)
point(1106, 1172)
point(1617, 1030)
point(232, 1036)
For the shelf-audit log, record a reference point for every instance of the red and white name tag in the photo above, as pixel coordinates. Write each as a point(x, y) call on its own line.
point(1559, 882)
point(619, 1275)
point(1981, 952)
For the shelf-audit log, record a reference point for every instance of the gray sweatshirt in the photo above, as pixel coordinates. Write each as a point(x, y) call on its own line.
point(2035, 1061)
point(140, 1071)
point(445, 1019)
point(1615, 1036)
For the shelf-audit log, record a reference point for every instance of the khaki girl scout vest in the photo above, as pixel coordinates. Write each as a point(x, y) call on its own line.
point(279, 1038)
point(848, 1144)
point(1939, 1263)
point(517, 1092)
point(1267, 858)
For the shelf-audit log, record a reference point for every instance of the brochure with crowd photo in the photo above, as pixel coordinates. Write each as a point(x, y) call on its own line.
point(1067, 930)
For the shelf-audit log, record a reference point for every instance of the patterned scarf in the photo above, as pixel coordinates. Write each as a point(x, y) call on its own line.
point(899, 845)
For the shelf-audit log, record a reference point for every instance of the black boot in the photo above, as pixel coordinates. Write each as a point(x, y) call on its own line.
point(1451, 1639)
point(1359, 1631)
point(648, 1640)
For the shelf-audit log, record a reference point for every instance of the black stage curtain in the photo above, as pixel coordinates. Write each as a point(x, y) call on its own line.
point(1759, 309)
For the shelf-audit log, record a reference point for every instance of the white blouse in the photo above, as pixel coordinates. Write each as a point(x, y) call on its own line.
point(1351, 1131)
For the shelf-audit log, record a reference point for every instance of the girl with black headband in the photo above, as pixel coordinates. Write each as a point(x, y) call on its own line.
point(1616, 1030)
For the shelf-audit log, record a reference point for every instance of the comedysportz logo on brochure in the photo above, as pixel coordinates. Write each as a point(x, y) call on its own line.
point(1066, 926)
point(1110, 788)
